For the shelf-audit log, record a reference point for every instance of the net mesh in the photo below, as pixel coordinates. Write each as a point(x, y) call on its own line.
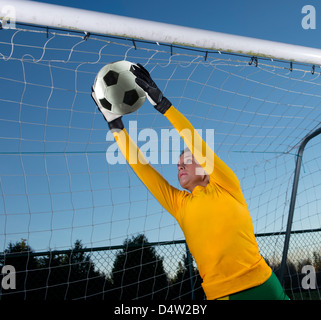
point(58, 191)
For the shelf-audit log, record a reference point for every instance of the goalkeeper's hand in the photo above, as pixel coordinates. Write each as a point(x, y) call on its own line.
point(114, 120)
point(154, 95)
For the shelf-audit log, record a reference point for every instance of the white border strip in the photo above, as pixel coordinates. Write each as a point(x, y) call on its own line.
point(44, 14)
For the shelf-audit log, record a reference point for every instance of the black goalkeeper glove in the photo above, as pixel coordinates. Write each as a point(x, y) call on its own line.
point(154, 95)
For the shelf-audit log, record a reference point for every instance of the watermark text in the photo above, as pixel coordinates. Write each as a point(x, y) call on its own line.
point(162, 147)
point(9, 277)
point(309, 280)
point(309, 19)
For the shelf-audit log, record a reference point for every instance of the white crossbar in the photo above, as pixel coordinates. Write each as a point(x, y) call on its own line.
point(50, 15)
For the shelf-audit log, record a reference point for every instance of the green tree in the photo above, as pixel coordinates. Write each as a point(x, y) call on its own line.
point(138, 271)
point(186, 277)
point(317, 261)
point(72, 275)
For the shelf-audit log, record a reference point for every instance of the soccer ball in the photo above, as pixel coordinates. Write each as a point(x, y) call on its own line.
point(116, 89)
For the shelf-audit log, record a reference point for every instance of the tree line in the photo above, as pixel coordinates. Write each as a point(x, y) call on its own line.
point(137, 273)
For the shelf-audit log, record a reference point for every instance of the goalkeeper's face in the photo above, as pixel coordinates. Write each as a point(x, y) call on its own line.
point(189, 172)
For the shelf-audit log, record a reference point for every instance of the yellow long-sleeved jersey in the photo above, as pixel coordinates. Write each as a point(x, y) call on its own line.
point(214, 219)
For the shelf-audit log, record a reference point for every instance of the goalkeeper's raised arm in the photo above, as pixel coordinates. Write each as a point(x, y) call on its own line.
point(201, 152)
point(156, 184)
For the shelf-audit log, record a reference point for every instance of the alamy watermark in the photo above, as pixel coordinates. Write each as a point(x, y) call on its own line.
point(9, 277)
point(309, 20)
point(162, 147)
point(309, 280)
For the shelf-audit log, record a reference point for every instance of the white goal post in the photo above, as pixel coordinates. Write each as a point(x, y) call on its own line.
point(103, 23)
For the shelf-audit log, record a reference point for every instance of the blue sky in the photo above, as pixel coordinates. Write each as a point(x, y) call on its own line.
point(74, 195)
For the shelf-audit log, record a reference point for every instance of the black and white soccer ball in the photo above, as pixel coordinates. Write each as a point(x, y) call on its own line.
point(116, 89)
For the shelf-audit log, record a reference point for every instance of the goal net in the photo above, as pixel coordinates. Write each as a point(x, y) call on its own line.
point(71, 206)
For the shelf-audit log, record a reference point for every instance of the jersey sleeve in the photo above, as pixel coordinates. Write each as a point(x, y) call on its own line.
point(218, 171)
point(167, 195)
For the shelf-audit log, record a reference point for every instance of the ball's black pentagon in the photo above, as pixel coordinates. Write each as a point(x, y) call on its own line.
point(131, 97)
point(111, 78)
point(105, 104)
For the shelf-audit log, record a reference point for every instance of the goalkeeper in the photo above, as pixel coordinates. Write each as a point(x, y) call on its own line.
point(212, 213)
